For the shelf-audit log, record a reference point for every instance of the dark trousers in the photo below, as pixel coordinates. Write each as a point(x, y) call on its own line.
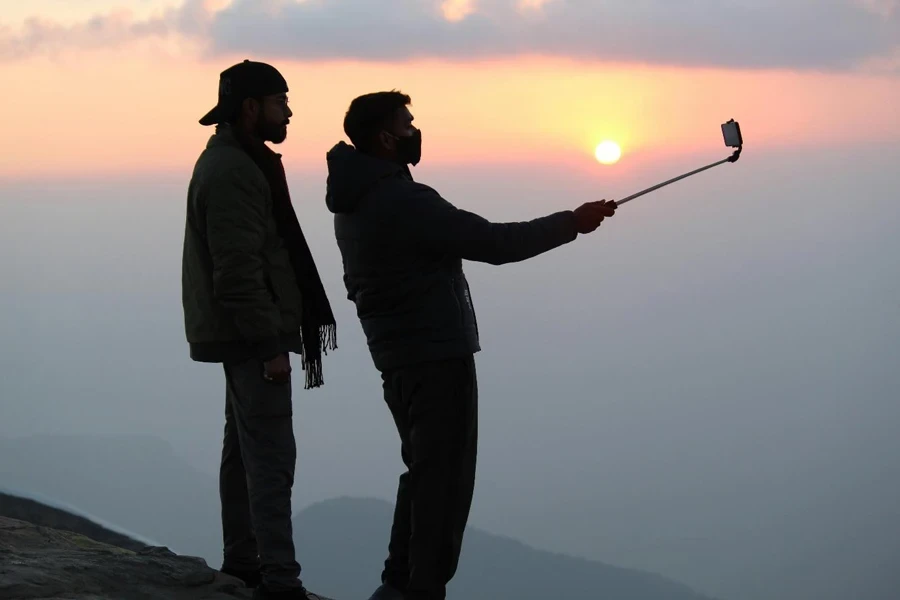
point(256, 476)
point(435, 408)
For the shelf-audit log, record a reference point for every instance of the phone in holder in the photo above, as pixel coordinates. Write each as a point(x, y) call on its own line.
point(731, 132)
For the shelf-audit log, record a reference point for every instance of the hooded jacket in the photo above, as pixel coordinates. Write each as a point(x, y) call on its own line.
point(402, 247)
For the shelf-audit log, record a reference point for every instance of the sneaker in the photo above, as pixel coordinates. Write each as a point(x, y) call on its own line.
point(300, 593)
point(250, 577)
point(387, 592)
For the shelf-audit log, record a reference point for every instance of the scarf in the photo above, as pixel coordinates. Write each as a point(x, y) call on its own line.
point(318, 327)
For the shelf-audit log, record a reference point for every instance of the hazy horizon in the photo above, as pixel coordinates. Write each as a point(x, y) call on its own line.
point(713, 369)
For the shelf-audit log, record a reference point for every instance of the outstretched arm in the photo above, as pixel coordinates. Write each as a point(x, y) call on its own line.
point(437, 225)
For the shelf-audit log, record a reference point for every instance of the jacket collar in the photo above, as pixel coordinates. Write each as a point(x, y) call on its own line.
point(225, 135)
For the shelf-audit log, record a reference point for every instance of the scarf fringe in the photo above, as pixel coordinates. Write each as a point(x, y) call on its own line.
point(314, 376)
point(312, 365)
point(328, 337)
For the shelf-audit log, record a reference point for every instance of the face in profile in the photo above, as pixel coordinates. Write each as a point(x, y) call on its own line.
point(403, 141)
point(272, 118)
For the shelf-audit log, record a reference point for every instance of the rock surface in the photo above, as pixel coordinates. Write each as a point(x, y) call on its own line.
point(42, 563)
point(38, 513)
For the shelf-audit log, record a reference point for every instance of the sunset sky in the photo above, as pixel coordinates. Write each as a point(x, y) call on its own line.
point(706, 387)
point(105, 86)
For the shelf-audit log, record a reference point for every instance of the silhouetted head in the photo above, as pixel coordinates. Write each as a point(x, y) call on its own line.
point(252, 98)
point(380, 124)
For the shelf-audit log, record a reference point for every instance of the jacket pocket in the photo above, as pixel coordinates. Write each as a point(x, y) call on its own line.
point(282, 284)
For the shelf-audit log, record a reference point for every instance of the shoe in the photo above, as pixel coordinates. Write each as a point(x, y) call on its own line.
point(250, 577)
point(300, 593)
point(387, 592)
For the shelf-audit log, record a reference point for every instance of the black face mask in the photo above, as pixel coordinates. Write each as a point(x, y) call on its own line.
point(409, 148)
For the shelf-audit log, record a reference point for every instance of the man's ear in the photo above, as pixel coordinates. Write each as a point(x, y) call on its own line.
point(250, 107)
point(385, 140)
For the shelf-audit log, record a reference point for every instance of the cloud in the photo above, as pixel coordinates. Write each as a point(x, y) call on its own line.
point(45, 36)
point(828, 34)
point(884, 64)
point(526, 5)
point(457, 10)
point(796, 34)
point(883, 8)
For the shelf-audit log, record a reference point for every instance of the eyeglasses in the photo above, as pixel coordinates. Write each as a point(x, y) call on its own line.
point(280, 101)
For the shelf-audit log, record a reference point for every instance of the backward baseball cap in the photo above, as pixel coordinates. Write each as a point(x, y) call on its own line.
point(247, 79)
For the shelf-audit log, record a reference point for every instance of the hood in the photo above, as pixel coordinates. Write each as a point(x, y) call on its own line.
point(351, 174)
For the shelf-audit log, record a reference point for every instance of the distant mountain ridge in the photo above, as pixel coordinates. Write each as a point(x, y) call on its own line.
point(335, 538)
point(346, 536)
point(341, 543)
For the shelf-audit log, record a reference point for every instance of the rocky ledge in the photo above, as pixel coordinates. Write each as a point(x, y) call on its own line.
point(43, 563)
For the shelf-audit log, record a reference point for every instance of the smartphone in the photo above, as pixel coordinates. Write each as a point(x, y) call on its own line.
point(731, 131)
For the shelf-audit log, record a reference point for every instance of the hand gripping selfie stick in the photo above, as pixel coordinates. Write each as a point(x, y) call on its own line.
point(731, 132)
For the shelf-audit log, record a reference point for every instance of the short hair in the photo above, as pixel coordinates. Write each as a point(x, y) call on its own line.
point(370, 113)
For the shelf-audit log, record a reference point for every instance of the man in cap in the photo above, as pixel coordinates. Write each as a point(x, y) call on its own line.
point(403, 246)
point(251, 296)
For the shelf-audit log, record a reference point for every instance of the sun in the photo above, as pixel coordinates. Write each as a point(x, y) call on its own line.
point(608, 152)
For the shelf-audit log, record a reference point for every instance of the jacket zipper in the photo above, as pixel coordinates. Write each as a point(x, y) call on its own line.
point(459, 308)
point(471, 304)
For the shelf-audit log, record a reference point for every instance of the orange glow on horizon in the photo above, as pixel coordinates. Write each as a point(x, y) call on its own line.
point(137, 110)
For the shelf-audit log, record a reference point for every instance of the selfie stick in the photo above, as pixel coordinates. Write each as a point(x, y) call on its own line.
point(732, 158)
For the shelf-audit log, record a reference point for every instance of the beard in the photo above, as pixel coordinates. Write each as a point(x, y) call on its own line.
point(271, 132)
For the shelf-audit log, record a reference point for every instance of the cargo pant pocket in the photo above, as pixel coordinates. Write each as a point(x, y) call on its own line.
point(253, 394)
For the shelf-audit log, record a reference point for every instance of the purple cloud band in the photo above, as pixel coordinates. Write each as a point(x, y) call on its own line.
point(796, 34)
